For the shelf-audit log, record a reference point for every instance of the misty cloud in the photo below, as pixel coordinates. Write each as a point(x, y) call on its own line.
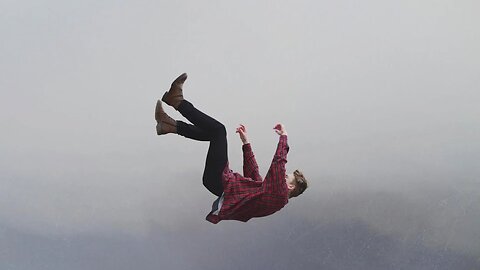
point(380, 100)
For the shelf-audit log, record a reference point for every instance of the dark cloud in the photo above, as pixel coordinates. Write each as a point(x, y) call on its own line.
point(365, 230)
point(294, 244)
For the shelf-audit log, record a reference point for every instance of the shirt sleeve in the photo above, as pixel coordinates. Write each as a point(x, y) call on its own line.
point(276, 174)
point(250, 166)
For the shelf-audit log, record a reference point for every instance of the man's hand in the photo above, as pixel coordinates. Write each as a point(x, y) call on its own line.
point(280, 129)
point(242, 131)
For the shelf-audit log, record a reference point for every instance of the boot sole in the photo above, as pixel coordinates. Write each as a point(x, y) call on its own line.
point(159, 129)
point(174, 100)
point(158, 109)
point(164, 98)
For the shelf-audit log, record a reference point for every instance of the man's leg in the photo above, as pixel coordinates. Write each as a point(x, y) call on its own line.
point(166, 124)
point(204, 128)
point(216, 133)
point(200, 119)
point(215, 164)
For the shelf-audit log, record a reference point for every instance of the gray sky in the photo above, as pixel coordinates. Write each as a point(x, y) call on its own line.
point(380, 100)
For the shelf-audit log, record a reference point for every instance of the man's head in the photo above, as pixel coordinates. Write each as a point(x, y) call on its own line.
point(296, 183)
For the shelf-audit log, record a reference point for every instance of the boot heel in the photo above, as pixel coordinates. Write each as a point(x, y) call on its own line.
point(159, 129)
point(164, 98)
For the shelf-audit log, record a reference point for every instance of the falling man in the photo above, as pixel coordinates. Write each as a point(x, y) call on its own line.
point(240, 197)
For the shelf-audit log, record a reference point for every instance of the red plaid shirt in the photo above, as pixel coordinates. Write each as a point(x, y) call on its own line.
point(249, 196)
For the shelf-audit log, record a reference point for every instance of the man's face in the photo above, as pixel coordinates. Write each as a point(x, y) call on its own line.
point(290, 179)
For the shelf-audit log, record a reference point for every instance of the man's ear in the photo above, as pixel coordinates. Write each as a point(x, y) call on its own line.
point(290, 186)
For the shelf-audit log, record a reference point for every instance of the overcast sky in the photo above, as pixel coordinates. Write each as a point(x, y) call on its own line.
point(380, 100)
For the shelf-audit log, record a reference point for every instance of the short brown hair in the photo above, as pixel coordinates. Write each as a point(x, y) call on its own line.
point(300, 184)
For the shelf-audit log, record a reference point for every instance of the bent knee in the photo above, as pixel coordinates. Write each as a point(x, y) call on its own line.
point(221, 130)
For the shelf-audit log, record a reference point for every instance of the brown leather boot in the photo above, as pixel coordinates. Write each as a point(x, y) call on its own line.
point(165, 124)
point(175, 95)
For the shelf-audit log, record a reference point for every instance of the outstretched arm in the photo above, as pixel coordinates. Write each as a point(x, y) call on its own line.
point(250, 166)
point(277, 170)
point(280, 157)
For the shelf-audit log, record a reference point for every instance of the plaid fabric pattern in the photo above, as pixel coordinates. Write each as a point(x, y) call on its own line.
point(248, 195)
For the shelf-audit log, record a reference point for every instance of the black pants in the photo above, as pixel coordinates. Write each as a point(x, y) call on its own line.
point(205, 128)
